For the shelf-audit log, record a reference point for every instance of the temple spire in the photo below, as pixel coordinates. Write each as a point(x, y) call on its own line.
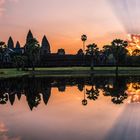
point(10, 43)
point(29, 36)
point(45, 46)
point(18, 45)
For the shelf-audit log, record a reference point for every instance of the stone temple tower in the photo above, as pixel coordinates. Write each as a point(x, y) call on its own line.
point(45, 46)
point(29, 36)
point(10, 43)
point(18, 48)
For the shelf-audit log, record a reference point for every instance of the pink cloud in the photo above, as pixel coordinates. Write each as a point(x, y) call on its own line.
point(2, 5)
point(3, 128)
point(13, 0)
point(2, 9)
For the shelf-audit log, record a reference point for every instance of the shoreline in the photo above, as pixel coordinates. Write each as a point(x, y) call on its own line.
point(70, 72)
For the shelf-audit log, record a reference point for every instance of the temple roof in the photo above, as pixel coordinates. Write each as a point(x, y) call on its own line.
point(29, 36)
point(18, 45)
point(10, 43)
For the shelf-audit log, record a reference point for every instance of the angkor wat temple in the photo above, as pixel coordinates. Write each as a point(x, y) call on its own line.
point(45, 46)
point(49, 59)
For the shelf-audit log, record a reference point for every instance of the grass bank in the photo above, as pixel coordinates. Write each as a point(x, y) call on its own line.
point(11, 73)
point(85, 71)
point(71, 71)
point(88, 68)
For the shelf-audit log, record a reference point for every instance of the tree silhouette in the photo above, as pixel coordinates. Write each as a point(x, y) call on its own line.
point(119, 51)
point(61, 52)
point(19, 61)
point(32, 52)
point(93, 51)
point(80, 52)
point(3, 98)
point(117, 90)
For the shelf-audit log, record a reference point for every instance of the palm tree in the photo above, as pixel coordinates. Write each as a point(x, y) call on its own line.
point(84, 38)
point(32, 52)
point(117, 90)
point(119, 51)
point(93, 93)
point(92, 50)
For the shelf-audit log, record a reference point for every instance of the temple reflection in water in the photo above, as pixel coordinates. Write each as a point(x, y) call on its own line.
point(39, 89)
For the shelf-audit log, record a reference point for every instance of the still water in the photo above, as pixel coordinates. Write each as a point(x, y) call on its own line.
point(91, 108)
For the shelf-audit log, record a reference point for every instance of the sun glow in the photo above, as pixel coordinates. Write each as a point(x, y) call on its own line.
point(133, 92)
point(133, 42)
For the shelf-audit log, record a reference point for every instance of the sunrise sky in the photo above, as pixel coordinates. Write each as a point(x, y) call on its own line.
point(62, 21)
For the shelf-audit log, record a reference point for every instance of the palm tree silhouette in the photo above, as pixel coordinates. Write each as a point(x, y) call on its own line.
point(116, 91)
point(92, 50)
point(3, 98)
point(32, 51)
point(84, 38)
point(118, 48)
point(93, 93)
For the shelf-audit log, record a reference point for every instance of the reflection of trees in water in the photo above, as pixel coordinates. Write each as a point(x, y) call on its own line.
point(3, 98)
point(93, 93)
point(37, 89)
point(117, 90)
point(115, 87)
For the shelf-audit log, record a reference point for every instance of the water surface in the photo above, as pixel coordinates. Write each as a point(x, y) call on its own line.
point(91, 108)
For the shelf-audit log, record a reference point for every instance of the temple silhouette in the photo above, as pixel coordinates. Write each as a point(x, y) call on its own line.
point(46, 58)
point(44, 49)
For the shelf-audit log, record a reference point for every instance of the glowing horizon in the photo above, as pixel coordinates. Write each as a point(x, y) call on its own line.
point(62, 22)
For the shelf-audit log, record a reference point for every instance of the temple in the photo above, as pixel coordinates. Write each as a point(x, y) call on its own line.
point(45, 46)
point(18, 49)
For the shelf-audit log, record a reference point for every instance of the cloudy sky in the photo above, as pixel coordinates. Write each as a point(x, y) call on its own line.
point(63, 21)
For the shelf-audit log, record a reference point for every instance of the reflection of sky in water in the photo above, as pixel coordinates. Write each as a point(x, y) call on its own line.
point(133, 92)
point(3, 133)
point(65, 118)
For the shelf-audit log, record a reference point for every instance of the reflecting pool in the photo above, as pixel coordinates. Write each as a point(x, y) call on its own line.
point(81, 108)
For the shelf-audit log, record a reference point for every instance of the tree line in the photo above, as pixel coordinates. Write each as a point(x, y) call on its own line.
point(116, 53)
